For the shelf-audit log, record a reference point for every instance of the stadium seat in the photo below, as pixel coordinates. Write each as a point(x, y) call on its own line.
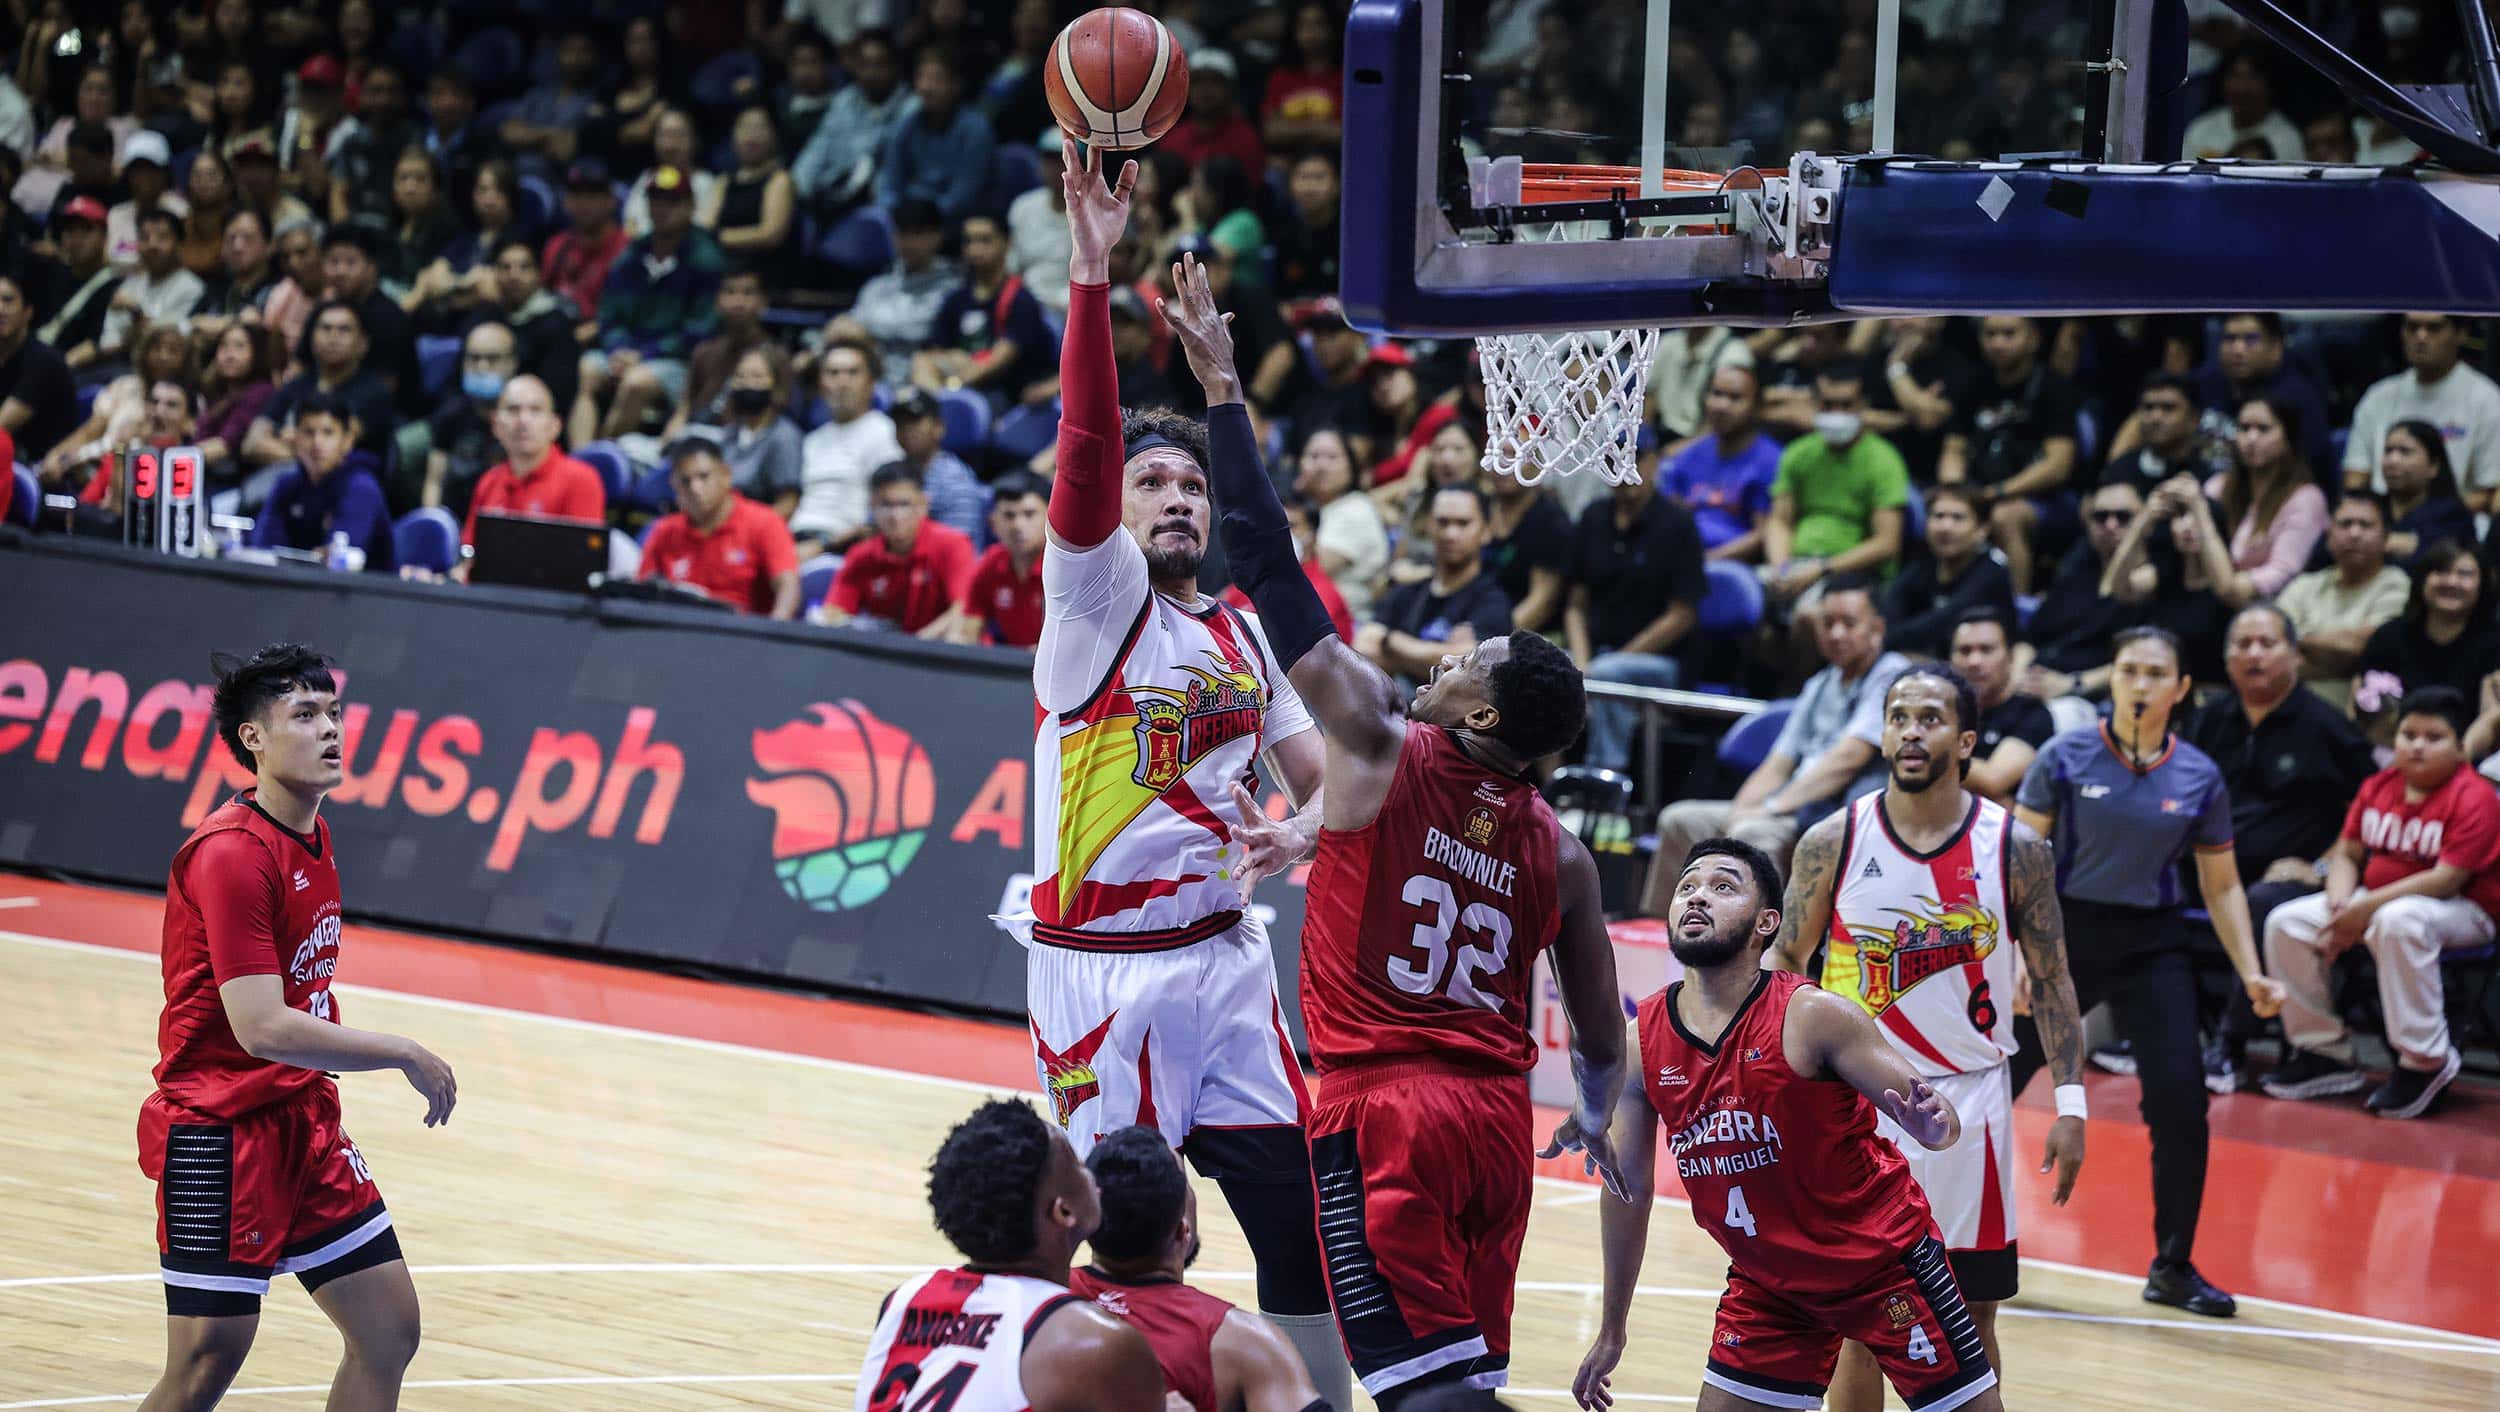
point(26, 499)
point(1914, 520)
point(1748, 743)
point(861, 243)
point(2025, 604)
point(539, 204)
point(714, 87)
point(493, 59)
point(1016, 170)
point(1733, 603)
point(438, 361)
point(615, 471)
point(427, 539)
point(967, 417)
point(816, 578)
point(1020, 435)
point(651, 493)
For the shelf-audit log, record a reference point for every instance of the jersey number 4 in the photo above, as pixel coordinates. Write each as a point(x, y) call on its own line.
point(1432, 938)
point(900, 1382)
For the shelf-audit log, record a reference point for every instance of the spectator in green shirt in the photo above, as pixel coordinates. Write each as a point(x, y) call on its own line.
point(1837, 502)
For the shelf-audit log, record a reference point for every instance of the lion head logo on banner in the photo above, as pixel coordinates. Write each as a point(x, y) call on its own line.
point(851, 798)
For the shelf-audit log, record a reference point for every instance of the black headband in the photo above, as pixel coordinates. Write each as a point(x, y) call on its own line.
point(1149, 442)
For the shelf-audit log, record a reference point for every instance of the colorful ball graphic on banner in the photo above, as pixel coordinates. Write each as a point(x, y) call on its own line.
point(851, 797)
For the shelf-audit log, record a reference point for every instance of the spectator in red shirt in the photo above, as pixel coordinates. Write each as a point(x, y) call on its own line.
point(1305, 523)
point(1214, 122)
point(909, 573)
point(579, 257)
point(535, 478)
point(1305, 107)
point(1003, 605)
point(719, 541)
point(2411, 876)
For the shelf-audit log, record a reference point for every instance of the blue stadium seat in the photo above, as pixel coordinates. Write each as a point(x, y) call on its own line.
point(2025, 604)
point(1733, 603)
point(715, 85)
point(1025, 430)
point(1914, 520)
point(26, 499)
point(494, 60)
point(1015, 170)
point(816, 578)
point(427, 539)
point(438, 363)
point(967, 417)
point(1748, 743)
point(539, 206)
point(861, 242)
point(609, 460)
point(652, 493)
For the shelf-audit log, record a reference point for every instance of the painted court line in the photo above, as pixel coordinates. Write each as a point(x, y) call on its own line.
point(11, 904)
point(2439, 1338)
point(641, 1380)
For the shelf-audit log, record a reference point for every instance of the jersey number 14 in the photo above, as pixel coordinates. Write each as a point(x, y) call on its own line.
point(1454, 976)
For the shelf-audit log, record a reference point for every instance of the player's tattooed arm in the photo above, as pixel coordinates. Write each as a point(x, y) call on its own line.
point(2041, 927)
point(1806, 913)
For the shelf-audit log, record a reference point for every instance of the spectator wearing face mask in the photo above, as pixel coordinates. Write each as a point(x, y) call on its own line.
point(751, 433)
point(464, 426)
point(1837, 502)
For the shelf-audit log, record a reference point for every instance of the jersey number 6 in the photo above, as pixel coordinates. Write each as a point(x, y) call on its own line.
point(1432, 937)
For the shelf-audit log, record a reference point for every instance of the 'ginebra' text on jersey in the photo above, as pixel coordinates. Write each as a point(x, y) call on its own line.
point(1482, 870)
point(1757, 1138)
point(942, 1328)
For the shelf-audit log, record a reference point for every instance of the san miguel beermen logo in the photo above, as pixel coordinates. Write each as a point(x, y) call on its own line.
point(1919, 945)
point(851, 797)
point(1176, 728)
point(1068, 1076)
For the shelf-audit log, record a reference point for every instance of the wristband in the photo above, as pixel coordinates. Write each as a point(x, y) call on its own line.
point(2070, 1101)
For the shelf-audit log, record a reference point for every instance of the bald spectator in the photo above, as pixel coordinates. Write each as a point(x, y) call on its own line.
point(732, 549)
point(536, 478)
point(2436, 387)
point(2335, 609)
point(2016, 443)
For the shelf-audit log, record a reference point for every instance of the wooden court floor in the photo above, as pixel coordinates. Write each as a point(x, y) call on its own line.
point(624, 1219)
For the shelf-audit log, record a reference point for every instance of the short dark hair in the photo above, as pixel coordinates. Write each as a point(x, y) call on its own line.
point(1983, 613)
point(2129, 637)
point(1963, 492)
point(1538, 690)
point(985, 1179)
point(501, 246)
point(1965, 696)
point(2369, 497)
point(1017, 484)
point(1183, 431)
point(895, 473)
point(693, 444)
point(159, 216)
point(248, 686)
point(2267, 320)
point(250, 213)
point(318, 403)
point(1767, 883)
point(1143, 1193)
point(2283, 620)
point(2167, 381)
point(348, 306)
point(94, 139)
point(1842, 370)
point(2445, 702)
point(918, 213)
point(1473, 491)
point(745, 272)
point(355, 235)
point(1856, 581)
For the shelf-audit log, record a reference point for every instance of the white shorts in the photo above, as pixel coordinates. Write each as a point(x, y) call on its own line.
point(1187, 1039)
point(1970, 1185)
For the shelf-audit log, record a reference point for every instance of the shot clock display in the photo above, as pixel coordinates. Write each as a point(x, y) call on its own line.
point(161, 495)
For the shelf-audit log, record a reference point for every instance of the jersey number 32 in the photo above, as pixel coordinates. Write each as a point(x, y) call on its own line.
point(1440, 971)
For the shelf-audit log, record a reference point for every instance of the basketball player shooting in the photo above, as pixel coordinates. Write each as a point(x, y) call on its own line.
point(1215, 1358)
point(255, 1176)
point(1827, 1237)
point(1440, 877)
point(1151, 987)
point(1923, 891)
point(1001, 1332)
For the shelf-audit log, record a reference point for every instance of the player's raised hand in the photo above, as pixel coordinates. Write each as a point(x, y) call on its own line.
point(2065, 1153)
point(429, 1075)
point(1924, 1115)
point(1268, 846)
point(1591, 1387)
point(1097, 214)
point(1202, 330)
point(1596, 1149)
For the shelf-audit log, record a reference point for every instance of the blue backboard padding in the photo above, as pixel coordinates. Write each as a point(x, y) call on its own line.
point(1916, 240)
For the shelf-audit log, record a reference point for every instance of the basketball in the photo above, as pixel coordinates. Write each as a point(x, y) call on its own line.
point(1116, 79)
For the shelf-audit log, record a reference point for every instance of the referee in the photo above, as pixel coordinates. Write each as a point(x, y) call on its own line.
point(2122, 801)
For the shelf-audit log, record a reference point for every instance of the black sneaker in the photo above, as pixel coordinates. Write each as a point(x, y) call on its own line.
point(2408, 1093)
point(2116, 1058)
point(2178, 1285)
point(2222, 1068)
point(2308, 1074)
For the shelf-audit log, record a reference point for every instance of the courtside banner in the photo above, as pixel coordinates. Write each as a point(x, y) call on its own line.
point(791, 803)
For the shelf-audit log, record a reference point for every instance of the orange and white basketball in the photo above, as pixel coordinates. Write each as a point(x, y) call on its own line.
point(1116, 79)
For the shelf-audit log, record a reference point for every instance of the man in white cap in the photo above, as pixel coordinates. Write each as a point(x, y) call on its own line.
point(146, 168)
point(1214, 125)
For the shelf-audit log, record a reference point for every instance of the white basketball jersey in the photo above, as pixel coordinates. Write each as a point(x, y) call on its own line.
point(955, 1339)
point(1924, 941)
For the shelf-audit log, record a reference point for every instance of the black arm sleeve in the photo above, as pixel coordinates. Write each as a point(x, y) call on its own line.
point(1258, 543)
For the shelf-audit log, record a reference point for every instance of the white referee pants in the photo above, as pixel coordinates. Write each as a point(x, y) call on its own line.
point(2406, 937)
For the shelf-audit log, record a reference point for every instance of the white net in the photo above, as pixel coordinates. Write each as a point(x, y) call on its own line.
point(1562, 403)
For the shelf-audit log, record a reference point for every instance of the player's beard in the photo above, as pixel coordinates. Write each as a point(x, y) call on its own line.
point(1167, 565)
point(1721, 946)
point(1914, 784)
point(1195, 1245)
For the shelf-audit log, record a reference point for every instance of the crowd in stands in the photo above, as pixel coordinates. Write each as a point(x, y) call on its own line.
point(770, 298)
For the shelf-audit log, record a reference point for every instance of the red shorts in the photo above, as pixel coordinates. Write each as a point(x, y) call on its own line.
point(1778, 1349)
point(1425, 1175)
point(280, 1190)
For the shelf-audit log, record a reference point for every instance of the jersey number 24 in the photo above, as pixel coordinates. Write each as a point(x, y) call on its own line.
point(1444, 918)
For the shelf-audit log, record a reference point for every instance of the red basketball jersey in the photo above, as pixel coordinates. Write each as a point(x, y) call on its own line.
point(1784, 1172)
point(246, 897)
point(1421, 931)
point(1179, 1324)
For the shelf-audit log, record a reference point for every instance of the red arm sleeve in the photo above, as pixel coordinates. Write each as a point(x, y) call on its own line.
point(1085, 494)
point(235, 883)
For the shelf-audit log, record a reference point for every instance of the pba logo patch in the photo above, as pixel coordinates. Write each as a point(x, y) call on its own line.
point(1480, 826)
point(1068, 1076)
point(851, 797)
point(1897, 1308)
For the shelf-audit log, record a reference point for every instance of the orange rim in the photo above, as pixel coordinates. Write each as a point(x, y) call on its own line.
point(1566, 181)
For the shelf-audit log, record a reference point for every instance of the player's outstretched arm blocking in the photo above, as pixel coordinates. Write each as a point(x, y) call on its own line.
point(1827, 1034)
point(1584, 969)
point(1623, 1237)
point(1086, 489)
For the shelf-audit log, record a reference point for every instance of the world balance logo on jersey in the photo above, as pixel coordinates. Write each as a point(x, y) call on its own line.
point(852, 797)
point(1176, 728)
point(1918, 945)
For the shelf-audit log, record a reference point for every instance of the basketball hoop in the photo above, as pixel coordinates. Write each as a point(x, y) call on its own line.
point(1562, 403)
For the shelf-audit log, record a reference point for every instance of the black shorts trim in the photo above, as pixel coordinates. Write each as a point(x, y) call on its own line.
point(1987, 1276)
point(197, 1192)
point(1747, 1377)
point(381, 1250)
point(306, 1245)
point(1136, 943)
point(182, 1302)
point(1378, 1337)
point(1931, 1269)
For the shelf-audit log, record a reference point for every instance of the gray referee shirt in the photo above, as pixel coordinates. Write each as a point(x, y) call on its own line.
point(2119, 832)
